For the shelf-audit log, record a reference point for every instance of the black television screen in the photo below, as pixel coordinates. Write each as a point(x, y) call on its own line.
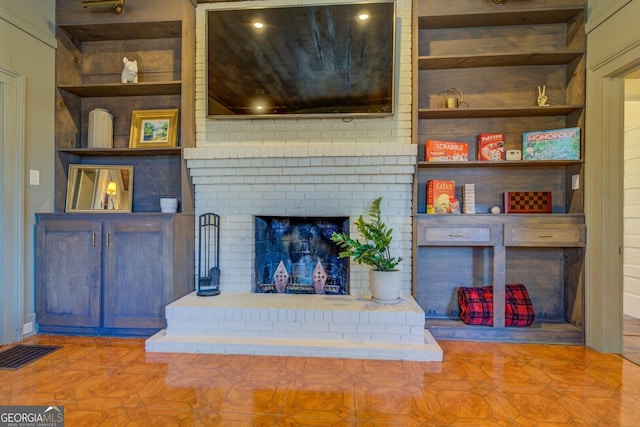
point(301, 61)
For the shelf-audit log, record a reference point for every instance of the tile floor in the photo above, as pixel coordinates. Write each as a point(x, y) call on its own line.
point(114, 382)
point(631, 339)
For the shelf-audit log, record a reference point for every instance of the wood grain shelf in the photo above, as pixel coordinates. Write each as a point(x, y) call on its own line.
point(538, 332)
point(500, 164)
point(477, 113)
point(124, 89)
point(526, 15)
point(497, 60)
point(122, 152)
point(123, 30)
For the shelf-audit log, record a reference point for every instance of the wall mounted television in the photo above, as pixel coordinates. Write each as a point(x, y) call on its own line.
point(320, 60)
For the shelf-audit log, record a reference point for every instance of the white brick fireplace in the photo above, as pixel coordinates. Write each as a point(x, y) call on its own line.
point(301, 180)
point(327, 167)
point(313, 167)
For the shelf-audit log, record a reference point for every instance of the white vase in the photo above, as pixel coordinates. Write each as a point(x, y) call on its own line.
point(385, 286)
point(168, 205)
point(100, 129)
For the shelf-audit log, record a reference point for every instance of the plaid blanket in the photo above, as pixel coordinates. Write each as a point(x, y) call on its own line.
point(476, 305)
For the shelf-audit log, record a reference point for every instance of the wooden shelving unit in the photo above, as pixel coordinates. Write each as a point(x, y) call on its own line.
point(105, 273)
point(497, 55)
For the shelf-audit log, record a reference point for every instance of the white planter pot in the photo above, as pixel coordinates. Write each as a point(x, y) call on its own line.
point(385, 286)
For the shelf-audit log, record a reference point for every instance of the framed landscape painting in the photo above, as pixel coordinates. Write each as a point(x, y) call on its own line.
point(154, 128)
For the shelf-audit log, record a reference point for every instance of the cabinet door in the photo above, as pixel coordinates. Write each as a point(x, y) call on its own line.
point(68, 268)
point(137, 265)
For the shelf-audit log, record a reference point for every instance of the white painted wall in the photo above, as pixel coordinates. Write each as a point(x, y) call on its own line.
point(27, 47)
point(631, 255)
point(613, 50)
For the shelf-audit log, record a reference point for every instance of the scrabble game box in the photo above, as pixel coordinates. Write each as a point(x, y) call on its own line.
point(491, 146)
point(439, 195)
point(554, 144)
point(446, 151)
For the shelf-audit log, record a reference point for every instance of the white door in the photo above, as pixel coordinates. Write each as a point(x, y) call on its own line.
point(11, 205)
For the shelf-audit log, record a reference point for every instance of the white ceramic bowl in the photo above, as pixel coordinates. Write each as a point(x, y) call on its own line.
point(168, 205)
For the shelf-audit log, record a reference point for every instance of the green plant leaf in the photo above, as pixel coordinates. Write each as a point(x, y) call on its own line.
point(374, 250)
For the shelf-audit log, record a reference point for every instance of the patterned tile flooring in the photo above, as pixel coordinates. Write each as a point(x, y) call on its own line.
point(113, 382)
point(631, 339)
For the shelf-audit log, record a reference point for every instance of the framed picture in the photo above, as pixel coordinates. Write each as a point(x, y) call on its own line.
point(154, 128)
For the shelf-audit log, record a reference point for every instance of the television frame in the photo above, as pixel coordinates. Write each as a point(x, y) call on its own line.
point(392, 105)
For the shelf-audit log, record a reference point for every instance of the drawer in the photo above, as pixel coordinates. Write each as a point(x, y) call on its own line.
point(569, 235)
point(455, 236)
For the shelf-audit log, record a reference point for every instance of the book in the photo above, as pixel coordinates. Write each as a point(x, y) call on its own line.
point(491, 146)
point(439, 195)
point(446, 151)
point(553, 144)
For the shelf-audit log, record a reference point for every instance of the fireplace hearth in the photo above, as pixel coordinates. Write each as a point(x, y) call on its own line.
point(295, 255)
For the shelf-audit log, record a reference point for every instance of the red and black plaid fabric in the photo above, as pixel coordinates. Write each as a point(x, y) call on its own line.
point(519, 309)
point(476, 305)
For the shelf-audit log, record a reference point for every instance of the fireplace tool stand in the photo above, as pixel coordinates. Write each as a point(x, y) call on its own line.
point(208, 255)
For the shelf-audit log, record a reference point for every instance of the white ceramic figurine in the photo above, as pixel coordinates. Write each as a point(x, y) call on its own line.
point(130, 71)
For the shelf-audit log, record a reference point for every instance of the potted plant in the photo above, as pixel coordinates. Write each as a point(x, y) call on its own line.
point(374, 251)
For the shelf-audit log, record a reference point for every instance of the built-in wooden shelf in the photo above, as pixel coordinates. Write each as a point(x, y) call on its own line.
point(539, 332)
point(122, 152)
point(477, 113)
point(514, 15)
point(500, 164)
point(124, 89)
point(115, 30)
point(497, 60)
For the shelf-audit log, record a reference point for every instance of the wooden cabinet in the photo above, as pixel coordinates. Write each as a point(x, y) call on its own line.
point(496, 56)
point(109, 274)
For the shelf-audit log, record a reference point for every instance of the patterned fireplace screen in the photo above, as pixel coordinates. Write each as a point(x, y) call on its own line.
point(295, 255)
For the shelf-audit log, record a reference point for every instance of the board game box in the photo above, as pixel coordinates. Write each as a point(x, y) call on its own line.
point(533, 202)
point(491, 146)
point(446, 151)
point(439, 196)
point(554, 144)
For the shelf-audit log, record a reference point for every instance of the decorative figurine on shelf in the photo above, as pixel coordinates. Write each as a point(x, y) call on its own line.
point(452, 97)
point(130, 71)
point(542, 97)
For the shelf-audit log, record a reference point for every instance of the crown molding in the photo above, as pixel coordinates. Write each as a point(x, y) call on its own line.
point(611, 7)
point(27, 27)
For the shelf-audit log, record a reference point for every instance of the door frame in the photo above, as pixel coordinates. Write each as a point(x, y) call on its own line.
point(12, 122)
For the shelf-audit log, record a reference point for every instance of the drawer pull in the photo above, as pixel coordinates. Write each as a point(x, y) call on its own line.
point(456, 235)
point(108, 239)
point(545, 236)
point(93, 239)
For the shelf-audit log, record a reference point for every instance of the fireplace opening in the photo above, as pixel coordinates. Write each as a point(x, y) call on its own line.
point(295, 255)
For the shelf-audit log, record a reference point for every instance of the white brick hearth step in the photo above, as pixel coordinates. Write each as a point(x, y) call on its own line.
point(296, 325)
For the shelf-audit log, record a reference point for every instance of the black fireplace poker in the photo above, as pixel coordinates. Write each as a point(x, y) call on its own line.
point(208, 255)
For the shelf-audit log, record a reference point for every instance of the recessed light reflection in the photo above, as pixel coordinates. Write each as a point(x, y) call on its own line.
point(258, 25)
point(363, 16)
point(260, 106)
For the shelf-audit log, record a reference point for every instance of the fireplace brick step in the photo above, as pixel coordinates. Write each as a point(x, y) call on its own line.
point(296, 325)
